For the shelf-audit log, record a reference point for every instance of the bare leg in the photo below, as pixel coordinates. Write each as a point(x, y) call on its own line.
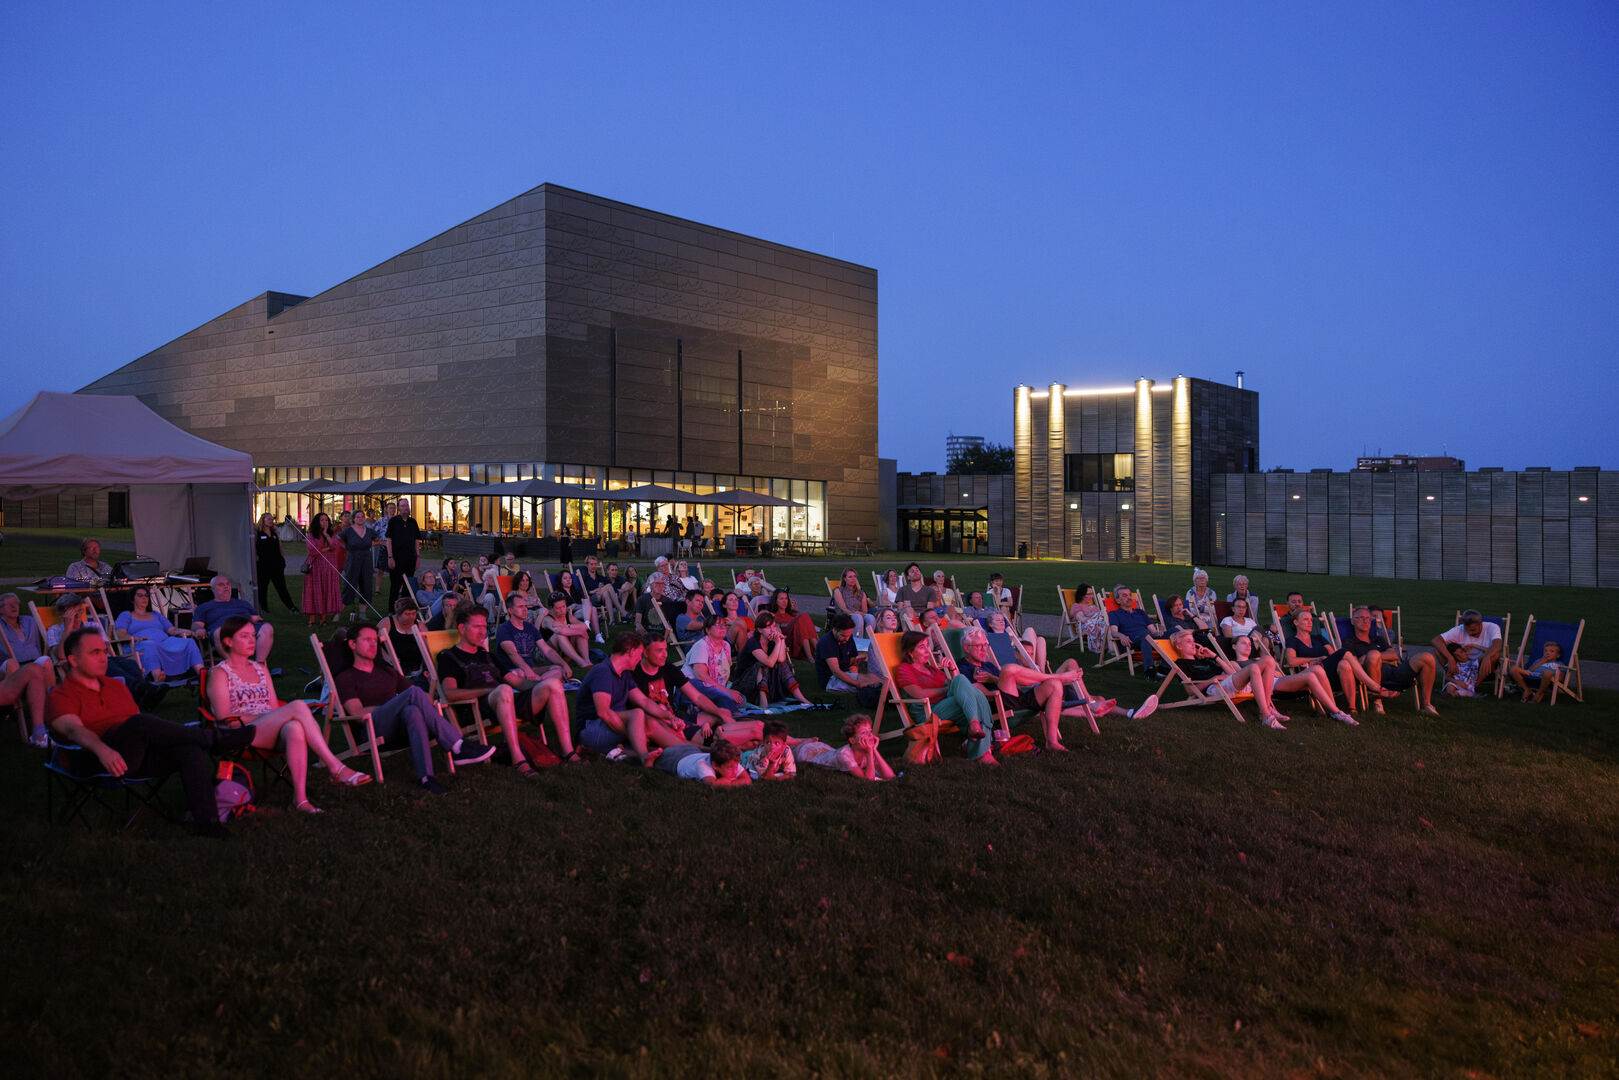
point(1423, 664)
point(746, 734)
point(549, 699)
point(291, 737)
point(1049, 695)
point(1313, 680)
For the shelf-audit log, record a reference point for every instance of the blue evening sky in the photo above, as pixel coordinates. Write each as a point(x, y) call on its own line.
point(1401, 219)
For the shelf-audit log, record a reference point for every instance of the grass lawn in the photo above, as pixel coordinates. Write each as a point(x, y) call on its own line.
point(1181, 895)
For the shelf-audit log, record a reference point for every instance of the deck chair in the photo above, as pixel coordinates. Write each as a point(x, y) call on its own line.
point(1394, 627)
point(884, 659)
point(1198, 691)
point(831, 596)
point(1112, 652)
point(950, 645)
point(1342, 629)
point(1536, 634)
point(1068, 631)
point(1009, 649)
point(677, 648)
point(43, 622)
point(430, 643)
point(1015, 616)
point(17, 706)
point(503, 586)
point(329, 655)
point(876, 583)
point(1504, 624)
point(101, 788)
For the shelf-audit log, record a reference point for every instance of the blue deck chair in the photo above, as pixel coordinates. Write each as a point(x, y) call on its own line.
point(79, 789)
point(1536, 634)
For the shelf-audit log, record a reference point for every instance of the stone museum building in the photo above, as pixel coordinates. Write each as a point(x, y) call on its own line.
point(563, 336)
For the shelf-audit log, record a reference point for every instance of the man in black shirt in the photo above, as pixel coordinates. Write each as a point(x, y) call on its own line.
point(367, 688)
point(468, 673)
point(1382, 662)
point(837, 663)
point(666, 696)
point(404, 538)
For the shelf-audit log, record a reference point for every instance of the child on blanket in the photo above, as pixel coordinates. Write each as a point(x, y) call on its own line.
point(859, 758)
point(719, 766)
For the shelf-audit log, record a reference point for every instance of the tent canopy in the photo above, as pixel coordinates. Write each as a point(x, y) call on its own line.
point(188, 496)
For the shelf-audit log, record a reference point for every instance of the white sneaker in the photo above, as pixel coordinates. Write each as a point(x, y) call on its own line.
point(1145, 709)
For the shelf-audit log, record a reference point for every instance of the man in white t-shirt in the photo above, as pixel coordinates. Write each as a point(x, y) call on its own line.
point(720, 766)
point(1479, 639)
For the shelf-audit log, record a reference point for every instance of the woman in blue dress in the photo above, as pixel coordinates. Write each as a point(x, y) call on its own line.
point(165, 651)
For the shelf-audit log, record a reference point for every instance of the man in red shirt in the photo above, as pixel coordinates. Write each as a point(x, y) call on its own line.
point(97, 714)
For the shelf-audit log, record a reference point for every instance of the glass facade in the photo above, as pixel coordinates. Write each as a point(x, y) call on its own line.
point(535, 517)
point(963, 532)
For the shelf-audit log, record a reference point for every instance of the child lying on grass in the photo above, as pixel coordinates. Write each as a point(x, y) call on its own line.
point(720, 765)
point(773, 758)
point(859, 758)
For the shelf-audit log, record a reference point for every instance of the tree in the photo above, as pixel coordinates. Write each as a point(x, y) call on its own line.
point(989, 458)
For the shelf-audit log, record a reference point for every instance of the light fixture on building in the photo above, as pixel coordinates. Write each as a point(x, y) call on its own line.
point(1430, 498)
point(1295, 496)
point(1585, 498)
point(1073, 506)
point(1124, 506)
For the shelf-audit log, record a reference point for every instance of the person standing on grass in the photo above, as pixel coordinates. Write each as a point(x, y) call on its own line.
point(468, 673)
point(357, 540)
point(96, 714)
point(272, 564)
point(393, 702)
point(954, 697)
point(239, 689)
point(403, 540)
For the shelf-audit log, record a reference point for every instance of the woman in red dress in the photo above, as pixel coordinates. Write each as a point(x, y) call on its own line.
point(322, 598)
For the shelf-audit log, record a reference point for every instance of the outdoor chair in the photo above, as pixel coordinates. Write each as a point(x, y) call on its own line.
point(884, 659)
point(1115, 647)
point(1068, 630)
point(1198, 691)
point(1536, 634)
point(133, 793)
point(1503, 662)
point(333, 656)
point(272, 761)
point(430, 643)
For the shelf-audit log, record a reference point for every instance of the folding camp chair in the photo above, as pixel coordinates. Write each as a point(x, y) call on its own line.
point(430, 643)
point(1503, 662)
point(1210, 691)
point(1068, 631)
point(272, 761)
point(102, 788)
point(884, 658)
point(1536, 634)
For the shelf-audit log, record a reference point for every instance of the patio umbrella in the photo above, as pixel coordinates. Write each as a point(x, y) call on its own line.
point(739, 500)
point(300, 487)
point(536, 489)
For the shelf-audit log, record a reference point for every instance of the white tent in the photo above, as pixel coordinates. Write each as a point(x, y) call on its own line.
point(188, 496)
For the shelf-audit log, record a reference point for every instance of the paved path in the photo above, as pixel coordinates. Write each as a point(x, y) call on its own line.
point(1599, 674)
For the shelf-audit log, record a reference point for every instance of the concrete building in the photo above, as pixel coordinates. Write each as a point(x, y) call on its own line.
point(1123, 473)
point(969, 514)
point(1535, 527)
point(558, 335)
point(1410, 463)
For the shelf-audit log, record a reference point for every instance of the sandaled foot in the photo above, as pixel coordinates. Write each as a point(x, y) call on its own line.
point(1056, 748)
point(1377, 707)
point(1103, 706)
point(1385, 693)
point(1274, 722)
point(526, 770)
point(1345, 718)
point(988, 759)
point(304, 806)
point(350, 777)
point(1428, 710)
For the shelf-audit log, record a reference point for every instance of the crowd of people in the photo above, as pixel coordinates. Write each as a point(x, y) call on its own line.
point(676, 672)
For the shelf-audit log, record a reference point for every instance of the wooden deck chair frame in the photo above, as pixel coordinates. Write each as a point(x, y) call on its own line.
point(890, 692)
point(79, 791)
point(677, 648)
point(425, 640)
point(1016, 616)
point(18, 705)
point(1198, 691)
point(1569, 681)
point(1504, 661)
point(952, 656)
point(331, 709)
point(1112, 652)
point(1362, 696)
point(876, 584)
point(1068, 630)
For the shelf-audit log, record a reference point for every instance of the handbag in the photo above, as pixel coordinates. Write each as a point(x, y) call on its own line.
point(924, 743)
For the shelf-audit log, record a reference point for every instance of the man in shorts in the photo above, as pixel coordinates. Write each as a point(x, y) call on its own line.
point(468, 673)
point(1368, 645)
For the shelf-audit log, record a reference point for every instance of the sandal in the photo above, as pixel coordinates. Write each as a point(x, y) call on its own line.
point(1377, 707)
point(307, 807)
point(355, 778)
point(1274, 722)
point(526, 770)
